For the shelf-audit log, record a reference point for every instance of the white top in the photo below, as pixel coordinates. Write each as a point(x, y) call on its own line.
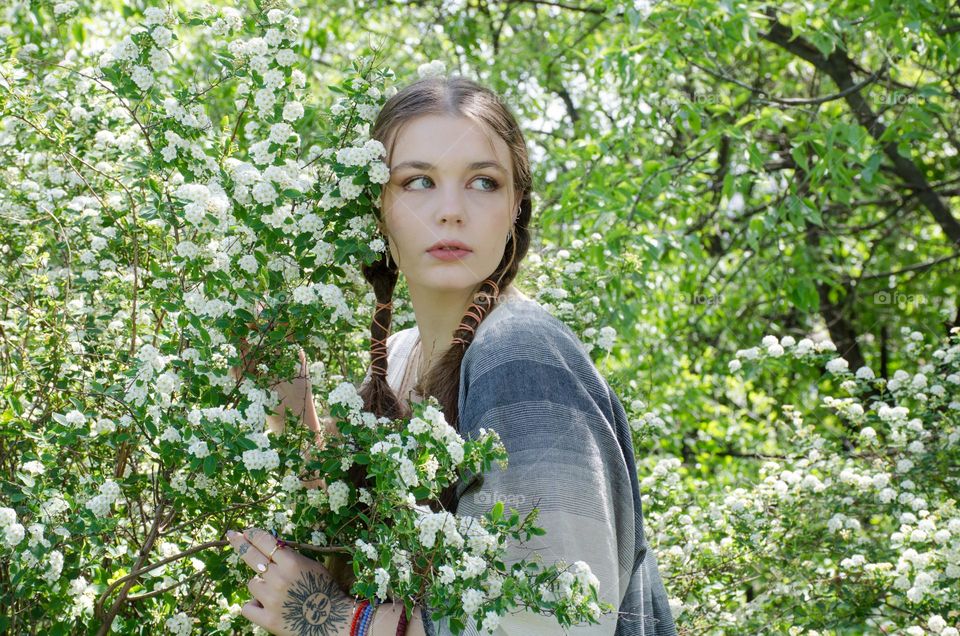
point(404, 354)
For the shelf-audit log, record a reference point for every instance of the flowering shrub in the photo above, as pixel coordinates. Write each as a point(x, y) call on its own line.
point(857, 507)
point(144, 242)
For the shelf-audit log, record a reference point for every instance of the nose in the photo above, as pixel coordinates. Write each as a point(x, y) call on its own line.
point(452, 210)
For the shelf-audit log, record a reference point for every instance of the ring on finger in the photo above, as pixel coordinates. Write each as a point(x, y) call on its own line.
point(262, 567)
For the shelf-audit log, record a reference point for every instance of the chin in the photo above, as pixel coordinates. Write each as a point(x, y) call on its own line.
point(451, 281)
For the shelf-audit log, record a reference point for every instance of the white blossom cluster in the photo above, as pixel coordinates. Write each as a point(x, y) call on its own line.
point(203, 199)
point(102, 503)
point(84, 595)
point(773, 347)
point(198, 448)
point(430, 524)
point(256, 459)
point(346, 393)
point(13, 532)
point(179, 624)
point(339, 494)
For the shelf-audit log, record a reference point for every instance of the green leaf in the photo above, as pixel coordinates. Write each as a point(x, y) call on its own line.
point(210, 466)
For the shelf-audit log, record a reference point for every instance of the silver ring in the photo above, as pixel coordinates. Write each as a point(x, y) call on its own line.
point(262, 567)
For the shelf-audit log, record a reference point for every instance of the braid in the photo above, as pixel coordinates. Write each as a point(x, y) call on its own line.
point(444, 384)
point(477, 312)
point(378, 397)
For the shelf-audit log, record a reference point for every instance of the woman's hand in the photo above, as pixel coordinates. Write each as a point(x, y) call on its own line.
point(292, 594)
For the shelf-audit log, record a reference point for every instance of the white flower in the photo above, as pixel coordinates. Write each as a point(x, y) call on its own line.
point(382, 578)
point(338, 492)
point(248, 263)
point(346, 394)
point(304, 295)
point(434, 68)
point(836, 522)
point(379, 173)
point(291, 483)
point(491, 621)
point(179, 624)
point(198, 448)
point(734, 366)
point(837, 365)
point(13, 534)
point(368, 550)
point(471, 600)
point(256, 459)
point(936, 623)
point(100, 505)
point(171, 434)
point(75, 418)
point(154, 15)
point(825, 345)
point(286, 57)
point(447, 574)
point(264, 193)
point(408, 472)
point(455, 448)
point(162, 36)
point(142, 77)
point(54, 566)
point(34, 467)
point(292, 111)
point(280, 132)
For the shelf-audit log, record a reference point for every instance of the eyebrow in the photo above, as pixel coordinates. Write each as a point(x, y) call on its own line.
point(476, 165)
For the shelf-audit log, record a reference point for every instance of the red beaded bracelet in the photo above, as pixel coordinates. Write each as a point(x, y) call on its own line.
point(402, 625)
point(356, 616)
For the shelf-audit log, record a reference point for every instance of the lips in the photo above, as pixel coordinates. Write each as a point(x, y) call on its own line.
point(449, 246)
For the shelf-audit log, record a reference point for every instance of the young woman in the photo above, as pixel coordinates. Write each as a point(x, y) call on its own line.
point(455, 215)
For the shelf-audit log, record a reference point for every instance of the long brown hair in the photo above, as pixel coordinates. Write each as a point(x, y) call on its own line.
point(462, 97)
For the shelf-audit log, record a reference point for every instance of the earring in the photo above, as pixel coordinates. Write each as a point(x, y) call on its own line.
point(387, 258)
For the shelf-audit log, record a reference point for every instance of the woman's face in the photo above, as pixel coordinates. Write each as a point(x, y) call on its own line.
point(448, 183)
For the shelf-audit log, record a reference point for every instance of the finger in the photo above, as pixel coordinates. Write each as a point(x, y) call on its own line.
point(255, 612)
point(303, 363)
point(265, 543)
point(261, 590)
point(248, 552)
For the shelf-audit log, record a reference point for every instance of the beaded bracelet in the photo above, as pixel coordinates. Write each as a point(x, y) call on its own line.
point(366, 620)
point(402, 624)
point(356, 616)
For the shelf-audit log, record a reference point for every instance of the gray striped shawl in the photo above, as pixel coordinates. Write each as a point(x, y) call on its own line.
point(527, 376)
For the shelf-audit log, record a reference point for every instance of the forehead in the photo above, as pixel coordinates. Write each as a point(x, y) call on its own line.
point(448, 141)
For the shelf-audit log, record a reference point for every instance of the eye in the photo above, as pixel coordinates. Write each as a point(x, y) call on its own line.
point(493, 183)
point(409, 181)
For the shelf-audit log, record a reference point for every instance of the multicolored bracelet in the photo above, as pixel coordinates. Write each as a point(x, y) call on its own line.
point(356, 616)
point(367, 618)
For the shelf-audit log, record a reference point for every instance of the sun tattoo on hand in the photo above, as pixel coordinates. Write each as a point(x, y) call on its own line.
point(314, 606)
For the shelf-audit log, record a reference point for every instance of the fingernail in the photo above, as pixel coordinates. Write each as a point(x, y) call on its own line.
point(231, 534)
